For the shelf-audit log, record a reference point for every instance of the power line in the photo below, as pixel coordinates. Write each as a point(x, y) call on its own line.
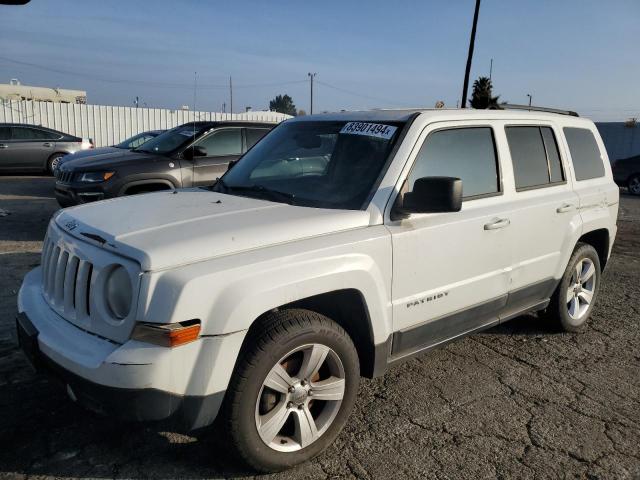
point(369, 97)
point(143, 82)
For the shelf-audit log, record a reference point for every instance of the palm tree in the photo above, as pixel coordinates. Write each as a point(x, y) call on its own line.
point(482, 96)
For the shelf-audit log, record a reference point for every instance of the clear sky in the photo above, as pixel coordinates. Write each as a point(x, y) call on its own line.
point(577, 54)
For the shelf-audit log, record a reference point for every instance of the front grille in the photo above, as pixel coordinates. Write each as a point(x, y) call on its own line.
point(64, 177)
point(66, 281)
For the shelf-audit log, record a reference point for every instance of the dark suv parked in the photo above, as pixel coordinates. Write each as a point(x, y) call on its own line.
point(192, 154)
point(626, 173)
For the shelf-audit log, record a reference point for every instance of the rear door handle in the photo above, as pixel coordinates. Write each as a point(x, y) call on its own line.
point(497, 223)
point(3, 145)
point(567, 207)
point(46, 144)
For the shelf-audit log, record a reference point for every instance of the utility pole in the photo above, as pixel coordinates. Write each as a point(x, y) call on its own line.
point(311, 77)
point(472, 42)
point(230, 97)
point(490, 69)
point(195, 88)
point(530, 97)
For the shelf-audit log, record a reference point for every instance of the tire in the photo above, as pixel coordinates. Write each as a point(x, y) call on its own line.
point(291, 341)
point(52, 163)
point(573, 316)
point(633, 184)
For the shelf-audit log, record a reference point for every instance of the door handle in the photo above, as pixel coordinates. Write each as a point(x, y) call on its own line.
point(567, 207)
point(47, 144)
point(497, 223)
point(3, 145)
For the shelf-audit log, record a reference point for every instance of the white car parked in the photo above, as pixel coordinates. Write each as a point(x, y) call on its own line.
point(337, 246)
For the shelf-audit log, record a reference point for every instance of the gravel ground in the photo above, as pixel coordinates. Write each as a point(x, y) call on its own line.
point(520, 401)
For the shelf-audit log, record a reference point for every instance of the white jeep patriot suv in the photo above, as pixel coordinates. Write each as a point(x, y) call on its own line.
point(337, 246)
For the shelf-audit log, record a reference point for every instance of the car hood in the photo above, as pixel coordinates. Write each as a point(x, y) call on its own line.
point(92, 152)
point(108, 160)
point(167, 229)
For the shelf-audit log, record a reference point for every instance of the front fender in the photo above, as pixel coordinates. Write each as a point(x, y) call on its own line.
point(228, 293)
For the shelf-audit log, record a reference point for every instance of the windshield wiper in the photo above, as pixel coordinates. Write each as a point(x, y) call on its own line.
point(270, 193)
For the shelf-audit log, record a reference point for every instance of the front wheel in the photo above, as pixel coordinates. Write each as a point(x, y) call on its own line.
point(292, 391)
point(575, 296)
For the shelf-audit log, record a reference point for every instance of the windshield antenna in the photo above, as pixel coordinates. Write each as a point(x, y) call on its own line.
point(195, 89)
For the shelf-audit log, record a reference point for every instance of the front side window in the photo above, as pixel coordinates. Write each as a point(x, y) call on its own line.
point(465, 153)
point(585, 154)
point(324, 164)
point(535, 156)
point(222, 143)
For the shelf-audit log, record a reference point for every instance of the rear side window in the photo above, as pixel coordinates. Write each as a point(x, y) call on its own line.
point(585, 154)
point(26, 133)
point(535, 156)
point(465, 153)
point(253, 135)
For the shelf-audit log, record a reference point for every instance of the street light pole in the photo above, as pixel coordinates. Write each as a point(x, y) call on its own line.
point(530, 97)
point(311, 77)
point(472, 42)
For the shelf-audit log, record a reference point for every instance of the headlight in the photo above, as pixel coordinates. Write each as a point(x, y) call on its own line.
point(93, 177)
point(119, 292)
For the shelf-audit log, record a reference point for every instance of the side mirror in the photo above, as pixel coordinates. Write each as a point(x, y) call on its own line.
point(231, 164)
point(433, 195)
point(195, 151)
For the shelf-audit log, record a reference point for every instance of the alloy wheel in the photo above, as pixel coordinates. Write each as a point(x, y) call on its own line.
point(300, 397)
point(581, 289)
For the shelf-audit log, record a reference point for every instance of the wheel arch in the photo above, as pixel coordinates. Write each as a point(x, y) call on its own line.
point(599, 239)
point(348, 308)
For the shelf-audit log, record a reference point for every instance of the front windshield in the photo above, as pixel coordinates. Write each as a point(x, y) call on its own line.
point(171, 139)
point(322, 164)
point(133, 142)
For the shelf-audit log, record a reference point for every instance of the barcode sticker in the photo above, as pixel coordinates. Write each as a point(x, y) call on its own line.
point(377, 130)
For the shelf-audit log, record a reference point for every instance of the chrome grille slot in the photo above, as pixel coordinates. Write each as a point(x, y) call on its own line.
point(83, 279)
point(63, 177)
point(66, 281)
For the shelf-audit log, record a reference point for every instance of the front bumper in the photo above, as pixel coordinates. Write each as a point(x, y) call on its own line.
point(134, 380)
point(69, 194)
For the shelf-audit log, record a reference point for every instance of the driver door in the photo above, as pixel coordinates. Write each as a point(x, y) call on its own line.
point(451, 270)
point(222, 146)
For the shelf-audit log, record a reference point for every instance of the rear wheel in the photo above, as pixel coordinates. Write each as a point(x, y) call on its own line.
point(633, 185)
point(575, 296)
point(53, 162)
point(292, 391)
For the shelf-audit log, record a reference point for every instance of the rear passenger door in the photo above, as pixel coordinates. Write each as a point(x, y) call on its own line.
point(545, 218)
point(30, 147)
point(222, 145)
point(451, 270)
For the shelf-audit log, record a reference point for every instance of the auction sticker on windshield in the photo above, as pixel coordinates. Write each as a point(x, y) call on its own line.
point(376, 130)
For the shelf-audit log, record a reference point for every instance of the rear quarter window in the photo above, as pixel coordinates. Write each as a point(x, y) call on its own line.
point(585, 154)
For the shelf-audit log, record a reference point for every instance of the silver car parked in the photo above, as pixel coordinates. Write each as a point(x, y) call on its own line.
point(34, 148)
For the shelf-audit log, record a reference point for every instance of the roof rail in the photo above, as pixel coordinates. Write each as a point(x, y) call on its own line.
point(531, 108)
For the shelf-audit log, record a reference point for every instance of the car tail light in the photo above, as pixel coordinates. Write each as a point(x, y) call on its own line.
point(87, 143)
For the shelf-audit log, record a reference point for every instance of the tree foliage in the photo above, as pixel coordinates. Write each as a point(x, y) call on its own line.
point(283, 104)
point(482, 96)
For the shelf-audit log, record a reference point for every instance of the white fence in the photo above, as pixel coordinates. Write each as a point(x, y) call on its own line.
point(108, 125)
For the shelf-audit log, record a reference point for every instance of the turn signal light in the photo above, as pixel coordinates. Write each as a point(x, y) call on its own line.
point(167, 335)
point(107, 175)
